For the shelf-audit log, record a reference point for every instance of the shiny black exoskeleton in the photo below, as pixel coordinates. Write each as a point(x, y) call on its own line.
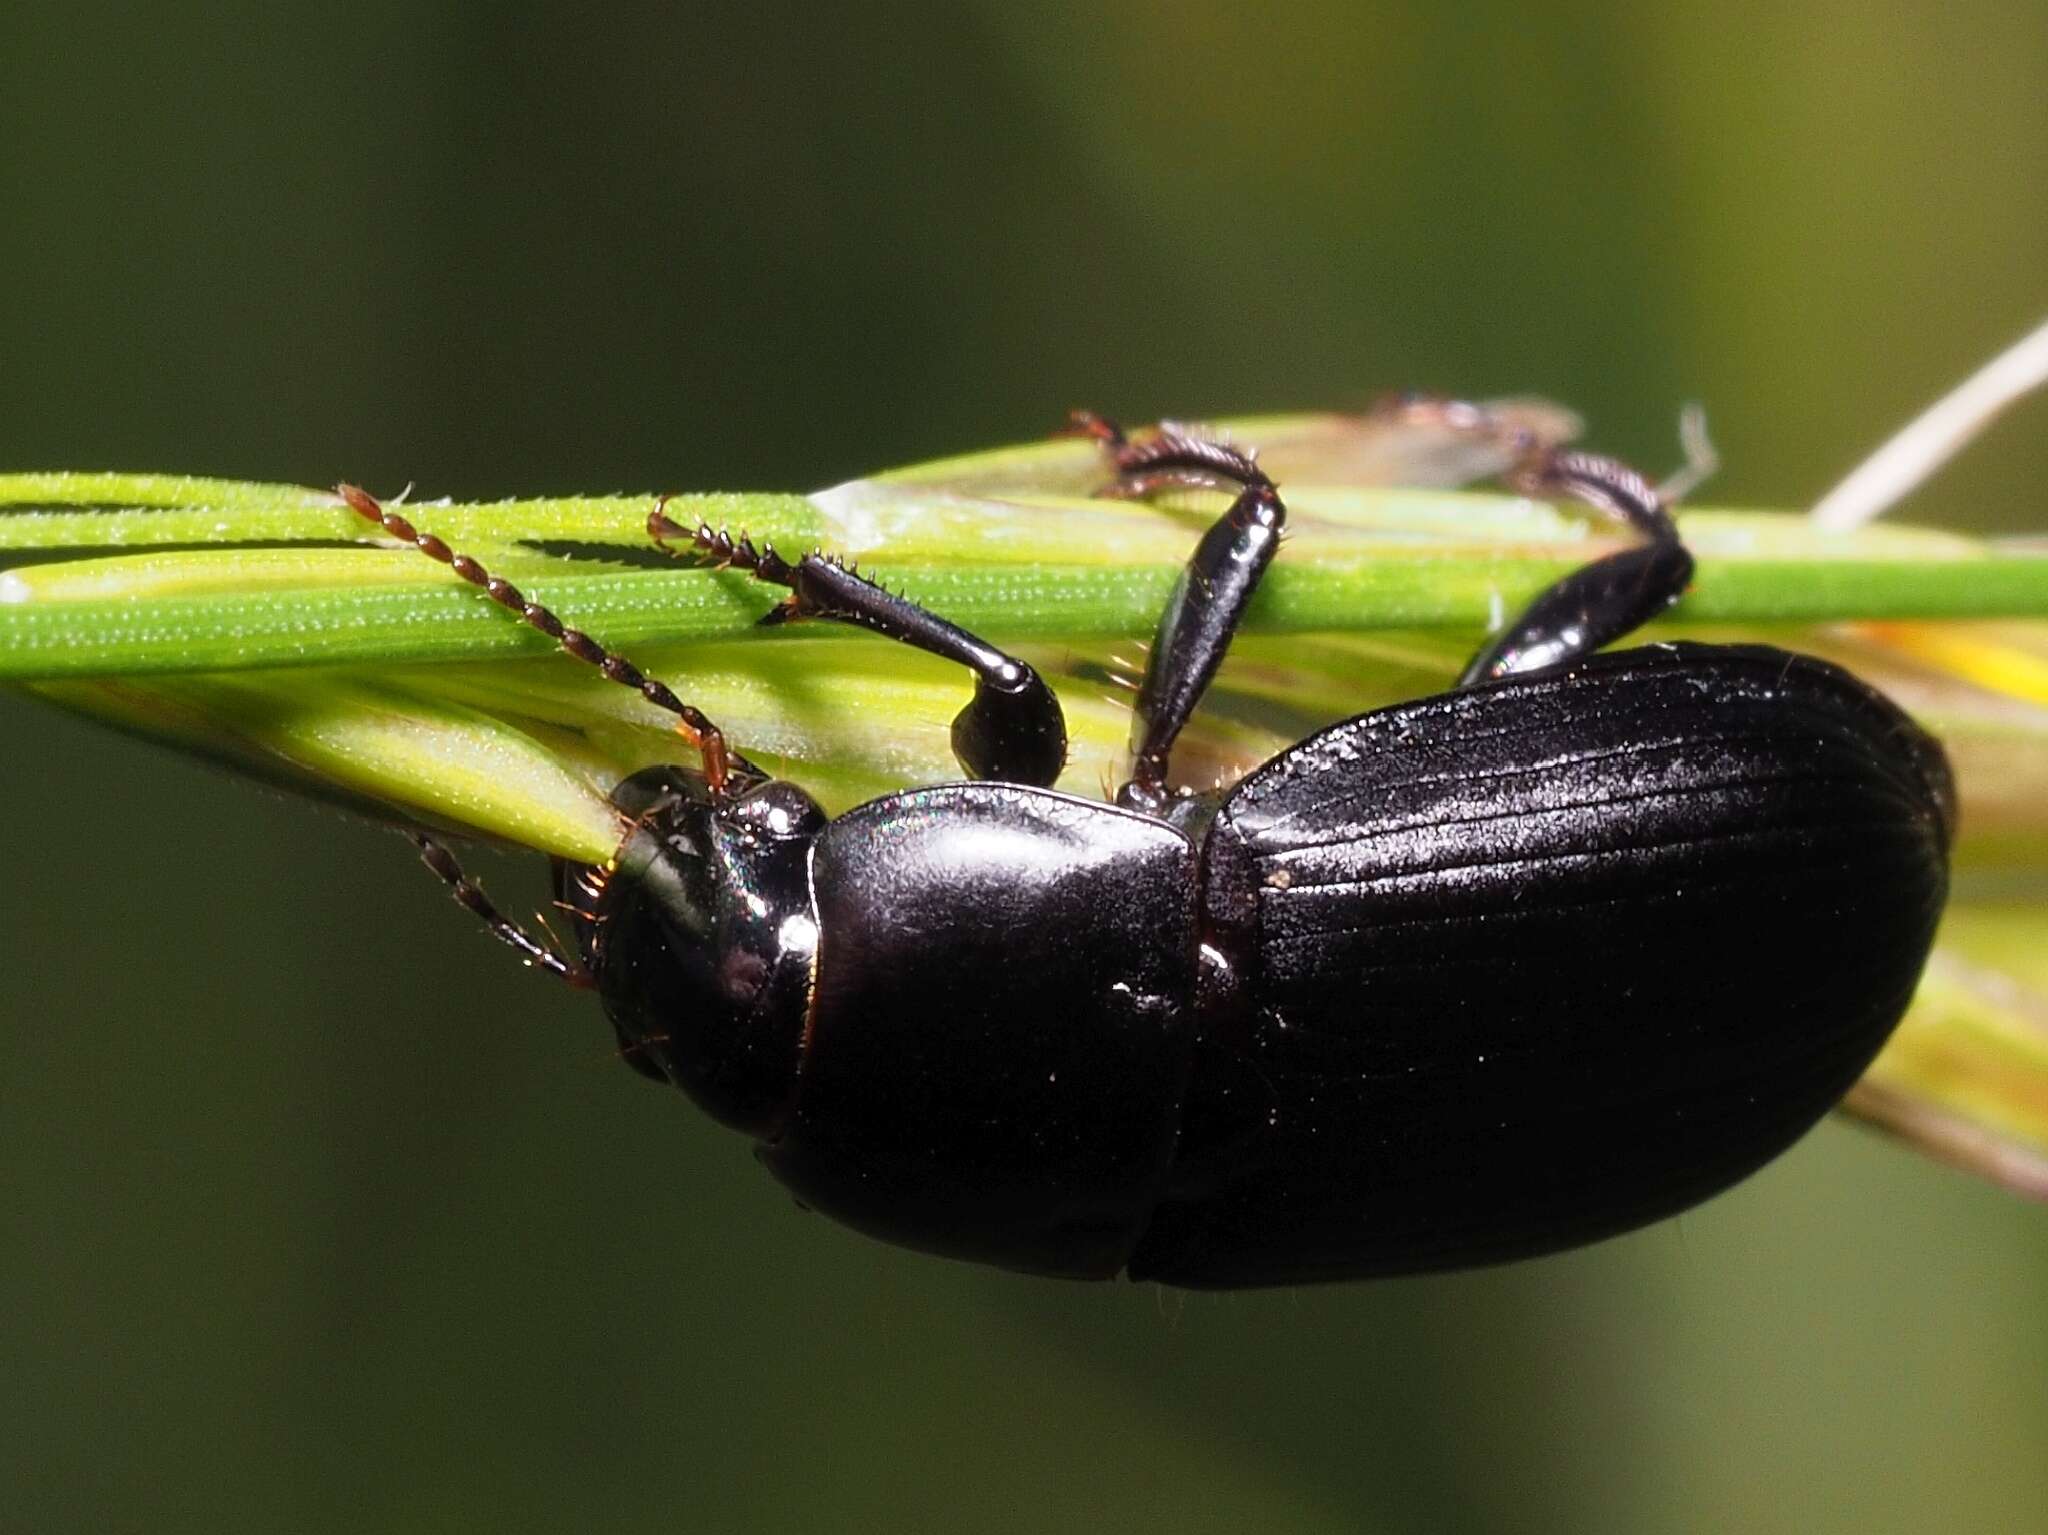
point(1468, 979)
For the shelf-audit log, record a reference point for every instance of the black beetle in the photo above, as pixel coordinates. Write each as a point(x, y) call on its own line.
point(1472, 978)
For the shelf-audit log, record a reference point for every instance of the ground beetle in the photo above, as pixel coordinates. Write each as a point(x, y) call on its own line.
point(1540, 959)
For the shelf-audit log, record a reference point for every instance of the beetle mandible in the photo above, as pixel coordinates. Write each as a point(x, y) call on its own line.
point(1559, 952)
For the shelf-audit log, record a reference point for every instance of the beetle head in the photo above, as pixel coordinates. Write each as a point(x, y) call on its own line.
point(702, 935)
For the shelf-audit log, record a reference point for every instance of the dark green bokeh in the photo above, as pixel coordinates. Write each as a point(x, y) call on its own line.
point(321, 1215)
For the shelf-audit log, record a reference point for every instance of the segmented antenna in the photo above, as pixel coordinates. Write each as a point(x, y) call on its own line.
point(693, 725)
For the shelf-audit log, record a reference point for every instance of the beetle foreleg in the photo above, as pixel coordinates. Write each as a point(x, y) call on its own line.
point(1012, 729)
point(470, 895)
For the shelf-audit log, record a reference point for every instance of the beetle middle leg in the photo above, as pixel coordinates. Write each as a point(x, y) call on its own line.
point(1011, 730)
point(1211, 595)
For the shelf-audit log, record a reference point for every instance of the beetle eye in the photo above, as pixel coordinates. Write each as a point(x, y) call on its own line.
point(779, 810)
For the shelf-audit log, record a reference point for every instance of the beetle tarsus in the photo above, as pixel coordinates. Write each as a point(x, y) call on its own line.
point(1180, 457)
point(718, 548)
point(1102, 429)
point(470, 896)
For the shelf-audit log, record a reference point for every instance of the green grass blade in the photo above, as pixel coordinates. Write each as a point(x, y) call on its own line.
point(1359, 561)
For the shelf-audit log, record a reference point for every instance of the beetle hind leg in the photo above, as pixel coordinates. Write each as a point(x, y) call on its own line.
point(1603, 601)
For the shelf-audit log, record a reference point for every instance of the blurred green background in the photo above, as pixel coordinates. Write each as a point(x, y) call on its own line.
point(322, 1215)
